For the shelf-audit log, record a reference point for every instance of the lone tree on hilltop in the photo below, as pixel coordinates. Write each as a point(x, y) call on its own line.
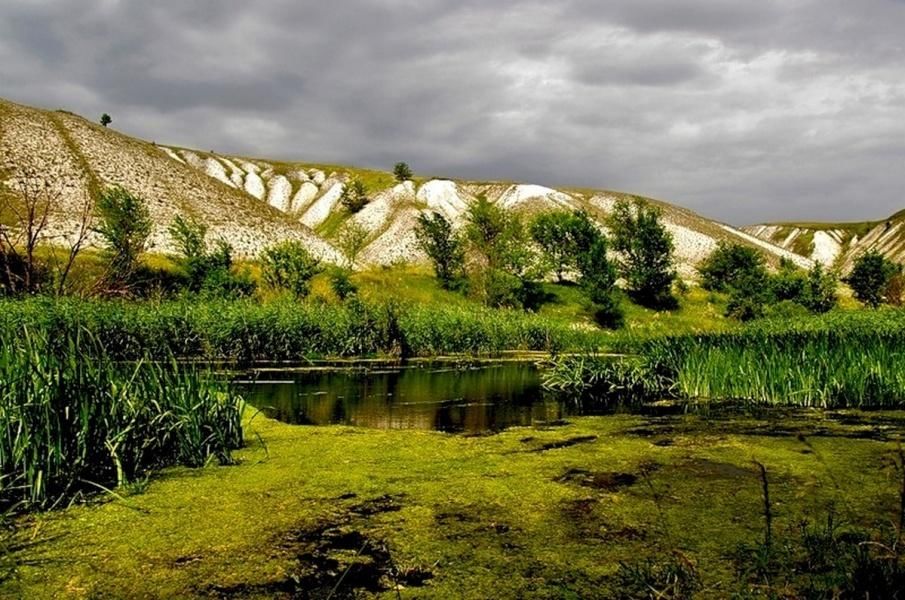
point(402, 172)
point(106, 119)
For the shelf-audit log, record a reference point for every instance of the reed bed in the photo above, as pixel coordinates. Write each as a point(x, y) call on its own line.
point(72, 419)
point(248, 331)
point(854, 359)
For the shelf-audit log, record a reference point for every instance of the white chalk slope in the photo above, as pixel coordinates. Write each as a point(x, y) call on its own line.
point(253, 203)
point(837, 244)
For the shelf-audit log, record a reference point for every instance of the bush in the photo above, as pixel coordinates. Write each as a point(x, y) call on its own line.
point(354, 196)
point(646, 253)
point(789, 282)
point(443, 247)
point(754, 293)
point(207, 270)
point(599, 281)
point(504, 268)
point(342, 284)
point(745, 306)
point(125, 224)
point(289, 266)
point(820, 290)
point(729, 264)
point(871, 276)
point(351, 240)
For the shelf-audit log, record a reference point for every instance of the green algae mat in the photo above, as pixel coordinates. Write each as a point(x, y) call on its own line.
point(597, 507)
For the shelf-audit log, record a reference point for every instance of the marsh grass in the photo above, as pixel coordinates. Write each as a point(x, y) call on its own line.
point(854, 359)
point(72, 419)
point(246, 331)
point(832, 559)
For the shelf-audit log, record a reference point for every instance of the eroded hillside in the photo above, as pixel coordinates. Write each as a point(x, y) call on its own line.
point(311, 194)
point(837, 244)
point(253, 203)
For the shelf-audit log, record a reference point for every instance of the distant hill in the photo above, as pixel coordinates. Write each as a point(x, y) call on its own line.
point(253, 203)
point(837, 244)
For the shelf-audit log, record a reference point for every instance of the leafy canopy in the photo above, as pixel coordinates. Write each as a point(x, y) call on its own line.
point(354, 196)
point(402, 172)
point(443, 247)
point(871, 276)
point(289, 266)
point(645, 251)
point(124, 223)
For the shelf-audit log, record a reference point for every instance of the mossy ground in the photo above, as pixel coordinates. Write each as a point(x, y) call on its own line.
point(528, 513)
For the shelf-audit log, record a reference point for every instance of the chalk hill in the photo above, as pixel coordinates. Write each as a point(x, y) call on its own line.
point(837, 244)
point(253, 203)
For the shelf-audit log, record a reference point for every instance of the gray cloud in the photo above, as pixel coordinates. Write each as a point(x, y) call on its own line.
point(744, 111)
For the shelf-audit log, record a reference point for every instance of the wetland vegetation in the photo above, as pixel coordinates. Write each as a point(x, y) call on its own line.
point(166, 431)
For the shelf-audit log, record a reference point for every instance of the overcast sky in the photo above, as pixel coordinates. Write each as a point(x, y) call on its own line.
point(745, 111)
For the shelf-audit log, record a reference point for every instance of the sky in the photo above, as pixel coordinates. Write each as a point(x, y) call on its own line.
point(744, 111)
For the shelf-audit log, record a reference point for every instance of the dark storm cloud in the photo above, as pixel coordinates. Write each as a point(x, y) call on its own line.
point(745, 111)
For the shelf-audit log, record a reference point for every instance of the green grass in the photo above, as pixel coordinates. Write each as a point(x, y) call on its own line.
point(803, 244)
point(841, 359)
point(73, 420)
point(700, 311)
point(333, 223)
point(290, 331)
point(860, 228)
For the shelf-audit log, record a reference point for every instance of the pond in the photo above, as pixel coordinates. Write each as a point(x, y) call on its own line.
point(469, 399)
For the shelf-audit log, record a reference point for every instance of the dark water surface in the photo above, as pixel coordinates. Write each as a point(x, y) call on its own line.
point(473, 399)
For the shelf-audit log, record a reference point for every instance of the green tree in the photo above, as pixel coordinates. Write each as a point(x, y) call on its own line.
point(354, 196)
point(645, 249)
point(342, 284)
point(729, 264)
point(551, 232)
point(207, 269)
point(125, 224)
point(504, 268)
point(444, 248)
point(289, 266)
point(870, 277)
point(598, 278)
point(819, 294)
point(351, 241)
point(402, 172)
point(106, 119)
point(789, 282)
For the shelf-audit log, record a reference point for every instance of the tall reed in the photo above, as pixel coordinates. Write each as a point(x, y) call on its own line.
point(71, 418)
point(249, 331)
point(852, 359)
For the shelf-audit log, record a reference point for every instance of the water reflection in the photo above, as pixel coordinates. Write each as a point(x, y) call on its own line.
point(474, 399)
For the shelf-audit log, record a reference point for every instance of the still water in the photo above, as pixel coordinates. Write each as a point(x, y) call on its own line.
point(474, 399)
